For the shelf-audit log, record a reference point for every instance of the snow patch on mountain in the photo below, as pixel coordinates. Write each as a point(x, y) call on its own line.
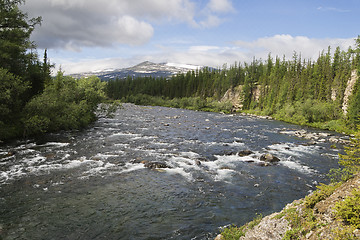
point(184, 66)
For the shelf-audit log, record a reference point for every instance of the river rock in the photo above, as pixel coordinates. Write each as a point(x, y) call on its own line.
point(244, 153)
point(268, 157)
point(219, 237)
point(229, 152)
point(11, 153)
point(154, 165)
point(138, 160)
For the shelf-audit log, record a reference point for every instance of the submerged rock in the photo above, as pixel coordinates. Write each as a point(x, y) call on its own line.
point(268, 157)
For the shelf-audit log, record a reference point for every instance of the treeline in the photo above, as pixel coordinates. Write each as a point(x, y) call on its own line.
point(202, 83)
point(297, 90)
point(31, 101)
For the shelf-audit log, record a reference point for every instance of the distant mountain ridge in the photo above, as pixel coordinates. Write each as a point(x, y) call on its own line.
point(144, 69)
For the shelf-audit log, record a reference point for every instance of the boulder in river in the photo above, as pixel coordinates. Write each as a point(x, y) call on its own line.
point(154, 165)
point(268, 157)
point(244, 153)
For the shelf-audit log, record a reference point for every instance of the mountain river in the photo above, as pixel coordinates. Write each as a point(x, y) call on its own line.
point(101, 183)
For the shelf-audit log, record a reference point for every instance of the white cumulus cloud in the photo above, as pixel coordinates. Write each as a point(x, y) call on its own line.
point(284, 44)
point(74, 24)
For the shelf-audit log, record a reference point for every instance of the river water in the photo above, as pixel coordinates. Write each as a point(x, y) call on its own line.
point(93, 184)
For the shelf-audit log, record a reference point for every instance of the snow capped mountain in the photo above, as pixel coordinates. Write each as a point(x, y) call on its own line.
point(144, 69)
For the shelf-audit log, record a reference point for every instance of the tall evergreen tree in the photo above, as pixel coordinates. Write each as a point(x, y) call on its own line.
point(15, 31)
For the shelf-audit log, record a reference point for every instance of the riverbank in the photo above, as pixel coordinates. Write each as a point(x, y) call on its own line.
point(338, 125)
point(331, 212)
point(190, 103)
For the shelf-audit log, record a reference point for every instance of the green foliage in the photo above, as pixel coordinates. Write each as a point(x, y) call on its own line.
point(22, 75)
point(308, 112)
point(339, 175)
point(66, 103)
point(191, 103)
point(344, 233)
point(280, 215)
point(255, 221)
point(232, 233)
point(351, 160)
point(320, 194)
point(294, 219)
point(15, 31)
point(354, 106)
point(349, 209)
point(36, 124)
point(12, 90)
point(108, 108)
point(15, 43)
point(301, 222)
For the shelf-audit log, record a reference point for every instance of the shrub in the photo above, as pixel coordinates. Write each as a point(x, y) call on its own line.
point(232, 233)
point(346, 233)
point(339, 175)
point(255, 222)
point(323, 192)
point(351, 160)
point(66, 103)
point(349, 209)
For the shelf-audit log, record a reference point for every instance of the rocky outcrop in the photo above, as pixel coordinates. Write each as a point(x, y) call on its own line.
point(270, 228)
point(327, 226)
point(348, 90)
point(234, 95)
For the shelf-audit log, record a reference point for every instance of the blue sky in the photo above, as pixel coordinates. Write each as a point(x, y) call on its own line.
point(88, 35)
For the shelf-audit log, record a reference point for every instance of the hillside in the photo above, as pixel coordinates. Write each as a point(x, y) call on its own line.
point(313, 217)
